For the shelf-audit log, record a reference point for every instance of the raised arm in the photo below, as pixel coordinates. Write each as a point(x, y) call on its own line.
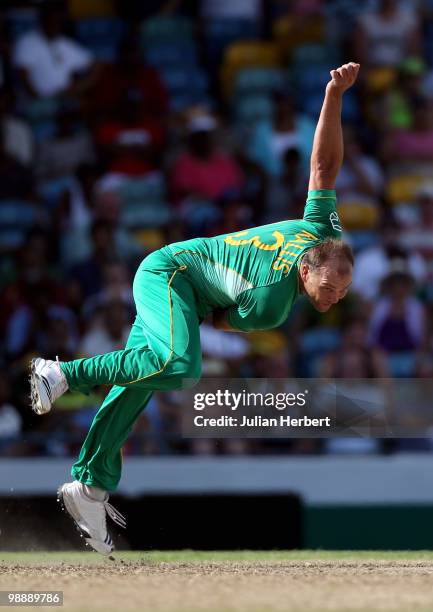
point(327, 153)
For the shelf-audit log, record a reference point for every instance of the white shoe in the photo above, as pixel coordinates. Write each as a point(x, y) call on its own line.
point(90, 515)
point(47, 383)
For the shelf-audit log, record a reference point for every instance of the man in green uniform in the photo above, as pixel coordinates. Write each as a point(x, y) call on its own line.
point(249, 281)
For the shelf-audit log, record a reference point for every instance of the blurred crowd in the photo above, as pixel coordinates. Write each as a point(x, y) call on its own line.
point(128, 125)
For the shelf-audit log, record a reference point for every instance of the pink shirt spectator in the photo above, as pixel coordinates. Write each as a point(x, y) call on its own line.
point(208, 178)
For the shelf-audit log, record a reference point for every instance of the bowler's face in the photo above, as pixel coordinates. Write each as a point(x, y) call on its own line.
point(325, 286)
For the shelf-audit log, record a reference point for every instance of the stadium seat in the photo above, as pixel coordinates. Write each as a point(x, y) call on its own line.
point(251, 53)
point(166, 28)
point(184, 78)
point(166, 54)
point(402, 364)
point(16, 218)
point(79, 9)
point(260, 80)
point(251, 109)
point(143, 202)
point(221, 32)
point(358, 215)
point(149, 188)
point(403, 188)
point(147, 215)
point(186, 99)
point(315, 54)
point(50, 191)
point(360, 239)
point(20, 21)
point(242, 54)
point(320, 340)
point(288, 34)
point(102, 35)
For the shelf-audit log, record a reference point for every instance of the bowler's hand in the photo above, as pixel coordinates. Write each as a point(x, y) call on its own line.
point(342, 78)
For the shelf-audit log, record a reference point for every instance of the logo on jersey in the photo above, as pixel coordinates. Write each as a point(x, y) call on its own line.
point(256, 241)
point(335, 221)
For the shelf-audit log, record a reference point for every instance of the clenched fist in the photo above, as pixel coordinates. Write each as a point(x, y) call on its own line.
point(343, 77)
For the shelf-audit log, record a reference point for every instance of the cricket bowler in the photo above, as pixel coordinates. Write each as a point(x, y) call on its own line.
point(248, 280)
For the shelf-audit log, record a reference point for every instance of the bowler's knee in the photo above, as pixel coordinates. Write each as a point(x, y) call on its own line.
point(183, 372)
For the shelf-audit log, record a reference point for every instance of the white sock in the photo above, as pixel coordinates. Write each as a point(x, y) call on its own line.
point(95, 493)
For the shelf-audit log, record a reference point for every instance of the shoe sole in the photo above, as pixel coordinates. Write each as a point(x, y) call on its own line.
point(83, 534)
point(35, 397)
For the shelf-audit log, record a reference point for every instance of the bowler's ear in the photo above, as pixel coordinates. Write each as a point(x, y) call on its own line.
point(303, 270)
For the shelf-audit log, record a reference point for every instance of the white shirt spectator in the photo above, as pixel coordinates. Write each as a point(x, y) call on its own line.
point(10, 421)
point(51, 63)
point(98, 342)
point(386, 39)
point(373, 265)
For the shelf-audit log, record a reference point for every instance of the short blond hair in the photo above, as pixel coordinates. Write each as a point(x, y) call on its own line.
point(331, 249)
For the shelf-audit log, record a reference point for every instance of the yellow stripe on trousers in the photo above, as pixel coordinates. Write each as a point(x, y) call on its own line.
point(170, 302)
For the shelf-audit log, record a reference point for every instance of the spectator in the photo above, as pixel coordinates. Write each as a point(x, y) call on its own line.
point(288, 130)
point(411, 149)
point(374, 263)
point(49, 62)
point(354, 358)
point(17, 138)
point(89, 272)
point(16, 180)
point(70, 147)
point(130, 78)
point(418, 236)
point(202, 171)
point(360, 177)
point(286, 193)
point(398, 103)
point(117, 286)
point(109, 332)
point(128, 142)
point(385, 37)
point(398, 319)
point(10, 419)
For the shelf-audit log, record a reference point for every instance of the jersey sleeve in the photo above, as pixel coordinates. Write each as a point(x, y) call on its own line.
point(321, 208)
point(257, 309)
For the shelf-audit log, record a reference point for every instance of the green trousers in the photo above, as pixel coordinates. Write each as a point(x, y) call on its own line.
point(163, 352)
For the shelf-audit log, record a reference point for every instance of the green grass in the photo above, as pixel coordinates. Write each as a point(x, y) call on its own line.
point(191, 556)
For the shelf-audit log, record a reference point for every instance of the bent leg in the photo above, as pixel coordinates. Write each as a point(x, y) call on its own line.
point(165, 336)
point(166, 331)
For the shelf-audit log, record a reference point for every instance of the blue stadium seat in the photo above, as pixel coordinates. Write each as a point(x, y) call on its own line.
point(149, 188)
point(184, 78)
point(182, 100)
point(320, 340)
point(102, 35)
point(259, 80)
point(146, 215)
point(220, 32)
point(166, 54)
point(250, 109)
point(50, 191)
point(21, 20)
point(16, 218)
point(363, 239)
point(402, 364)
point(166, 28)
point(315, 54)
point(310, 80)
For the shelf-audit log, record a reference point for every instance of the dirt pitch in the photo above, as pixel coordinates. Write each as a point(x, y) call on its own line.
point(222, 582)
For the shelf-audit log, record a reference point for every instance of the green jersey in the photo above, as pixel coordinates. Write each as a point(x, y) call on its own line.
point(254, 273)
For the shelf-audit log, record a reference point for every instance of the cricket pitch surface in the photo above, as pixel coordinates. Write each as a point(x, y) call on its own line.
point(252, 581)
